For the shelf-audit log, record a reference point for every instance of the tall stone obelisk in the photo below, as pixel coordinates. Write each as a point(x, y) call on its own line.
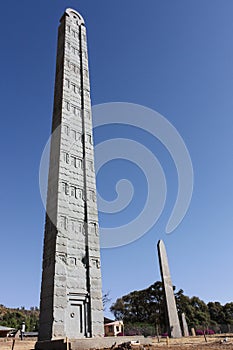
point(71, 295)
point(185, 326)
point(174, 329)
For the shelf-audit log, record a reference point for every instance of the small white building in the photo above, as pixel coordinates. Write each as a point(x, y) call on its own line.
point(112, 329)
point(5, 331)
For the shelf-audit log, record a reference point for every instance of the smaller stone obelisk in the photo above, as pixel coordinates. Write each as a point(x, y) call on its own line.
point(174, 329)
point(185, 326)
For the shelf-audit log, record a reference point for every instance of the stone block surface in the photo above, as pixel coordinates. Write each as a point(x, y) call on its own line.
point(174, 329)
point(71, 276)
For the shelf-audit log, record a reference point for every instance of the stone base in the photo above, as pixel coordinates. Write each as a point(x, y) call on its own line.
point(59, 344)
point(88, 343)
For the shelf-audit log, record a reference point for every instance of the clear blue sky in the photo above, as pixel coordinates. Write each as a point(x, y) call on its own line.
point(173, 56)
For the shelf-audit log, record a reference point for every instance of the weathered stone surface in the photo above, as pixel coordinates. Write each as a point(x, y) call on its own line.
point(174, 329)
point(193, 332)
point(185, 326)
point(71, 278)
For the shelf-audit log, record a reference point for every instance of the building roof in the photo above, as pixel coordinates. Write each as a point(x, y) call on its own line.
point(2, 328)
point(108, 320)
point(116, 323)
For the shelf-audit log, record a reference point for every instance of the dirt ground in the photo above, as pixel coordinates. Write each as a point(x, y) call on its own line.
point(217, 342)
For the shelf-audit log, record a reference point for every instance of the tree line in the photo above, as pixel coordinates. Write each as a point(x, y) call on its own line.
point(147, 306)
point(143, 312)
point(14, 318)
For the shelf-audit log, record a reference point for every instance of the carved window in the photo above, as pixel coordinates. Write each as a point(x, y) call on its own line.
point(79, 193)
point(89, 164)
point(65, 188)
point(93, 227)
point(89, 138)
point(76, 111)
point(72, 225)
point(73, 161)
point(68, 28)
point(65, 157)
point(72, 261)
point(68, 45)
point(72, 67)
point(67, 104)
point(79, 162)
point(66, 129)
point(74, 134)
point(88, 115)
point(74, 88)
point(80, 227)
point(67, 83)
point(79, 136)
point(92, 195)
point(74, 50)
point(63, 222)
point(73, 191)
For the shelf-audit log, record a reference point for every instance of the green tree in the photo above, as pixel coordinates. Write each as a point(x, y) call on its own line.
point(228, 313)
point(148, 306)
point(216, 311)
point(14, 318)
point(144, 306)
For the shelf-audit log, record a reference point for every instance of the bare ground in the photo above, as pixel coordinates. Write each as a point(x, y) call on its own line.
point(217, 342)
point(190, 343)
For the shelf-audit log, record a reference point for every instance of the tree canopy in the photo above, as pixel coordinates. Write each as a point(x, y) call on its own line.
point(14, 318)
point(148, 306)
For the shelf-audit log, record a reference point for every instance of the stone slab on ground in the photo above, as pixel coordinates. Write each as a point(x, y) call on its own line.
point(100, 343)
point(91, 343)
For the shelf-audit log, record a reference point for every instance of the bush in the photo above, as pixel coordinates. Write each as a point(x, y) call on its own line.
point(207, 331)
point(164, 335)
